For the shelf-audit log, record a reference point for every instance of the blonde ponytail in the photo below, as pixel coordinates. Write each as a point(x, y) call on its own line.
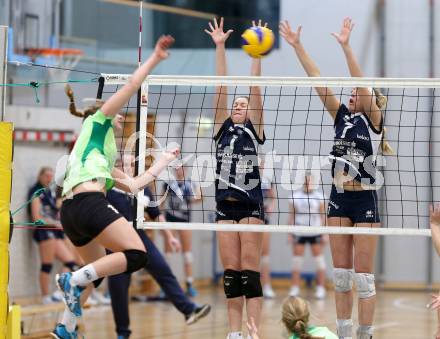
point(381, 102)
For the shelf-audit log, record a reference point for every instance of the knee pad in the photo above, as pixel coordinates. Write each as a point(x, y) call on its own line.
point(98, 282)
point(232, 284)
point(46, 268)
point(136, 259)
point(343, 279)
point(71, 265)
point(320, 262)
point(297, 263)
point(365, 285)
point(364, 332)
point(251, 284)
point(188, 257)
point(265, 260)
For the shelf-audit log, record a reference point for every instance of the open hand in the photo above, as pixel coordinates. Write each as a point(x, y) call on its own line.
point(344, 36)
point(292, 38)
point(217, 34)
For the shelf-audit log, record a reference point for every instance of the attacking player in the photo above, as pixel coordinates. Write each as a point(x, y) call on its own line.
point(89, 220)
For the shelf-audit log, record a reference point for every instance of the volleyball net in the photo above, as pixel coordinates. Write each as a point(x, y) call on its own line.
point(299, 137)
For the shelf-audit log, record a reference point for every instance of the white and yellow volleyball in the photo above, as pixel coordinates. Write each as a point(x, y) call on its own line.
point(257, 41)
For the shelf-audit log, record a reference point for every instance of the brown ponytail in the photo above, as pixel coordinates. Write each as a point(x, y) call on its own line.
point(295, 317)
point(72, 106)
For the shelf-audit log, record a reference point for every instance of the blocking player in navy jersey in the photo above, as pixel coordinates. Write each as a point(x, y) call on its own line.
point(238, 134)
point(353, 200)
point(307, 208)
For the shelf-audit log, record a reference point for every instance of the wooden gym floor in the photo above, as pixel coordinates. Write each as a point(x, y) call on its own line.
point(400, 315)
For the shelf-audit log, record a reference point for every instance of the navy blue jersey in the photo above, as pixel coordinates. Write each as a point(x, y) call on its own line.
point(237, 172)
point(48, 201)
point(123, 202)
point(178, 200)
point(356, 145)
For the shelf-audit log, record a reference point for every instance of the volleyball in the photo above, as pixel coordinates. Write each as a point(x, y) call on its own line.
point(257, 41)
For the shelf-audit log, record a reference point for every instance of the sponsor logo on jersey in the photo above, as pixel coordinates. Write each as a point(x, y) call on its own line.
point(221, 213)
point(363, 137)
point(369, 214)
point(246, 148)
point(256, 212)
point(336, 206)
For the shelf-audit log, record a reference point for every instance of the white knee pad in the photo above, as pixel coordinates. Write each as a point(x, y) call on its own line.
point(343, 279)
point(265, 260)
point(320, 262)
point(297, 263)
point(188, 257)
point(365, 285)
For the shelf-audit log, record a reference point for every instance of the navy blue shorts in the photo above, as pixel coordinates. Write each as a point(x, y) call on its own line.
point(42, 234)
point(359, 206)
point(316, 239)
point(238, 210)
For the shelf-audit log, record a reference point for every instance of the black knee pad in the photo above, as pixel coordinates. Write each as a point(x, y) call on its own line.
point(136, 260)
point(46, 268)
point(71, 265)
point(232, 284)
point(98, 282)
point(251, 284)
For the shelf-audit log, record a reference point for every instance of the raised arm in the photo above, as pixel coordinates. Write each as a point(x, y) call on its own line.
point(366, 95)
point(255, 100)
point(114, 104)
point(329, 100)
point(219, 38)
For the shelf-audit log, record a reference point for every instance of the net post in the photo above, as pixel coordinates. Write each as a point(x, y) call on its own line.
point(141, 144)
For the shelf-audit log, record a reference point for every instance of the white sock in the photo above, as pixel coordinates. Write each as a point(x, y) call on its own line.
point(344, 328)
point(190, 280)
point(84, 276)
point(69, 320)
point(235, 335)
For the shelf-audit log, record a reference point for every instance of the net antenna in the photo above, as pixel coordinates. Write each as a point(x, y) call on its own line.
point(61, 61)
point(290, 104)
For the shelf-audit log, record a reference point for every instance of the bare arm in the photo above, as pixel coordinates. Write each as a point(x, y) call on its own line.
point(329, 100)
point(133, 185)
point(323, 214)
point(114, 104)
point(291, 219)
point(36, 215)
point(271, 197)
point(435, 226)
point(255, 101)
point(367, 98)
point(219, 38)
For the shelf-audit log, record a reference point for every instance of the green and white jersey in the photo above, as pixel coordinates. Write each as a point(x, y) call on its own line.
point(319, 332)
point(94, 153)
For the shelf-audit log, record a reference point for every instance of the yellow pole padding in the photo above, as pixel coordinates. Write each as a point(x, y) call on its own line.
point(6, 130)
point(14, 322)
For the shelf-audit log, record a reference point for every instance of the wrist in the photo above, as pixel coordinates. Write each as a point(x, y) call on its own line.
point(220, 45)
